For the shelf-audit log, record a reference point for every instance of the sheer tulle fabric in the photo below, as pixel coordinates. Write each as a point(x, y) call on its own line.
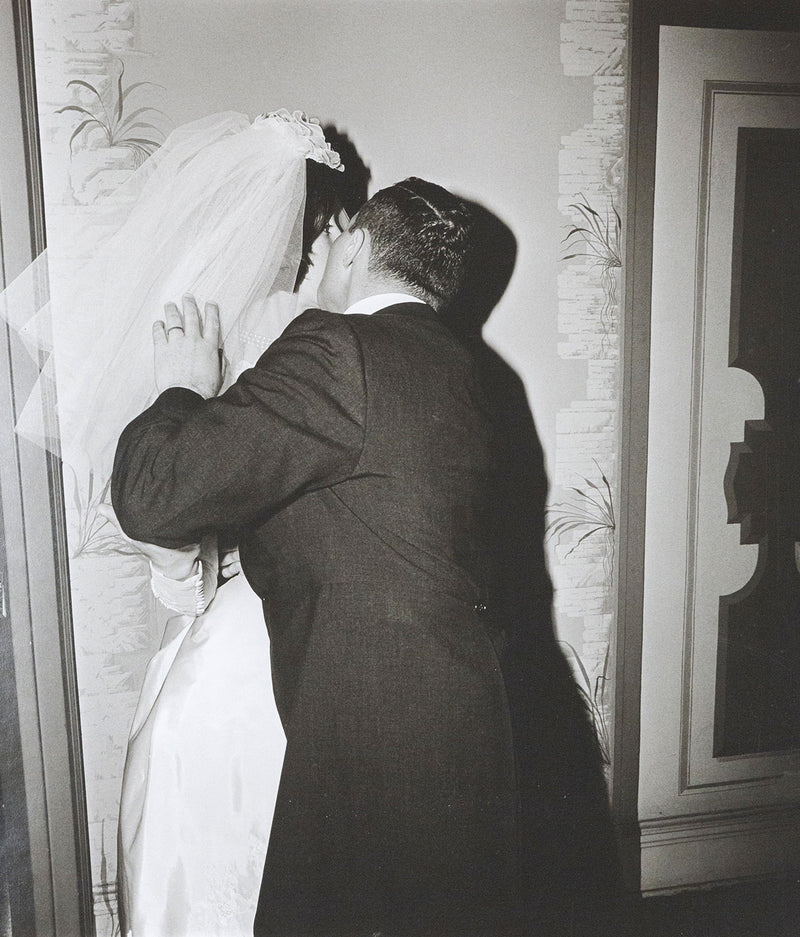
point(216, 212)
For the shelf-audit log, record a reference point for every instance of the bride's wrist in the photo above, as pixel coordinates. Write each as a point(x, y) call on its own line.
point(178, 565)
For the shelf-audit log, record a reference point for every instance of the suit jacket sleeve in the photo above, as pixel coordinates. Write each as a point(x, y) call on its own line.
point(293, 423)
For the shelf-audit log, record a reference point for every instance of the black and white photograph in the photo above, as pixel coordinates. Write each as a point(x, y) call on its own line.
point(399, 431)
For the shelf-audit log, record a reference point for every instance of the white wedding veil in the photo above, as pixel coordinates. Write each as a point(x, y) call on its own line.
point(217, 212)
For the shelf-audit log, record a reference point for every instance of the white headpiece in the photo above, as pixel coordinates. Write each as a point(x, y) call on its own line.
point(303, 132)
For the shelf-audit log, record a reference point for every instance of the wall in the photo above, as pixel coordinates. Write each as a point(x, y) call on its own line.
point(518, 105)
point(457, 91)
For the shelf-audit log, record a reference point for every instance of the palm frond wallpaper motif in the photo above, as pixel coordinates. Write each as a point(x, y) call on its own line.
point(593, 692)
point(95, 533)
point(98, 125)
point(597, 237)
point(589, 511)
point(107, 112)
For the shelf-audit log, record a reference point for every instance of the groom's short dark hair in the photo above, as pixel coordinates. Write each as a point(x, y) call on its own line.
point(420, 234)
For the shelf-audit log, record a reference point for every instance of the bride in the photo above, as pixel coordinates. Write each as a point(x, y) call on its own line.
point(242, 213)
point(206, 746)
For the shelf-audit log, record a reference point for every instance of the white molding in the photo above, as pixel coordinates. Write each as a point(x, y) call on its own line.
point(700, 850)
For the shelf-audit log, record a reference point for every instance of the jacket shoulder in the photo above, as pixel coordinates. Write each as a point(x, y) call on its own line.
point(314, 332)
point(317, 350)
point(318, 320)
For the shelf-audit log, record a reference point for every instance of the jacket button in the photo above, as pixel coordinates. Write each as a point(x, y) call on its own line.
point(480, 608)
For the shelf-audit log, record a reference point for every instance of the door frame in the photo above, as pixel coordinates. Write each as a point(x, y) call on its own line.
point(41, 771)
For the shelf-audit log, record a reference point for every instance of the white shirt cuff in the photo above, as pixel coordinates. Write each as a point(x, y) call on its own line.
point(192, 595)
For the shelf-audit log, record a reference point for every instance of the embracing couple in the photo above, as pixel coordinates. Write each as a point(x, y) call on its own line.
point(351, 462)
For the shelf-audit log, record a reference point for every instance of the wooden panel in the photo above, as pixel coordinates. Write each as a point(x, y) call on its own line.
point(646, 16)
point(758, 665)
point(712, 83)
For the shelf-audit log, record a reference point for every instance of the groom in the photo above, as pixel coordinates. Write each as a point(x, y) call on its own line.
point(351, 463)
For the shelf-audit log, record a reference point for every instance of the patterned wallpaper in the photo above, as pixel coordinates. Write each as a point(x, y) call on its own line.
point(117, 624)
point(591, 190)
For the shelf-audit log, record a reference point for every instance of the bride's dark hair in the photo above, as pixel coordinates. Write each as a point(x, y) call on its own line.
point(324, 200)
point(329, 191)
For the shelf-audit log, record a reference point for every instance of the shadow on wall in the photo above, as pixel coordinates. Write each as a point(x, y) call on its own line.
point(518, 511)
point(356, 176)
point(569, 863)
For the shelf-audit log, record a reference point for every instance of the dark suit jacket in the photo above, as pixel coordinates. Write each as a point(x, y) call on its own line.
point(354, 460)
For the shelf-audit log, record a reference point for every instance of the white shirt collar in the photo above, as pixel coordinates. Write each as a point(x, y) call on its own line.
point(370, 304)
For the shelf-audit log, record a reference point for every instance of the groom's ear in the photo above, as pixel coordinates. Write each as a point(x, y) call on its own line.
point(357, 244)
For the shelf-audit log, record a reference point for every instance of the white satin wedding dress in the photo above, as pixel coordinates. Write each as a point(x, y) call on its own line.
point(201, 776)
point(205, 750)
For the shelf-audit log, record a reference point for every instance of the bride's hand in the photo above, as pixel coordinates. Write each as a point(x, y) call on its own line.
point(186, 349)
point(230, 565)
point(172, 562)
